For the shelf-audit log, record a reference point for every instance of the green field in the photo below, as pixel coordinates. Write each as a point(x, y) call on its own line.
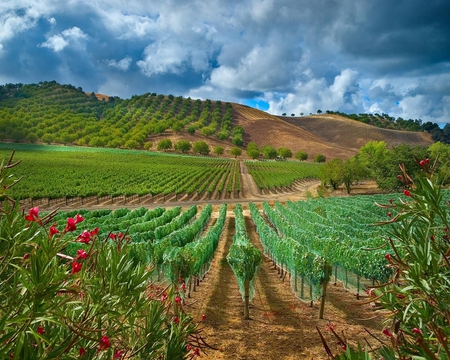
point(64, 171)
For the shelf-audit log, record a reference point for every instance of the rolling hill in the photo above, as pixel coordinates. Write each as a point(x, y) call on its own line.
point(49, 112)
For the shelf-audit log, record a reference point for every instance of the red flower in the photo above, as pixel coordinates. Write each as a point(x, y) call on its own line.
point(33, 214)
point(81, 254)
point(176, 320)
point(400, 296)
point(85, 237)
point(387, 332)
point(53, 230)
point(82, 351)
point(40, 330)
point(422, 163)
point(388, 257)
point(407, 193)
point(78, 218)
point(118, 354)
point(178, 300)
point(196, 351)
point(389, 214)
point(76, 267)
point(400, 177)
point(390, 200)
point(104, 343)
point(26, 256)
point(112, 236)
point(417, 331)
point(183, 286)
point(203, 317)
point(427, 161)
point(71, 225)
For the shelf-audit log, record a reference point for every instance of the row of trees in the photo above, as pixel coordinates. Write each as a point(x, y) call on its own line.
point(374, 160)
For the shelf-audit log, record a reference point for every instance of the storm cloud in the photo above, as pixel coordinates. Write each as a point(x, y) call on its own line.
point(296, 56)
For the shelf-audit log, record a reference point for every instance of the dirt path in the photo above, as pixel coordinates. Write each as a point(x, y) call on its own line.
point(281, 326)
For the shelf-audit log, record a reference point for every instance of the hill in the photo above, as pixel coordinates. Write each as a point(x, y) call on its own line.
point(49, 112)
point(331, 135)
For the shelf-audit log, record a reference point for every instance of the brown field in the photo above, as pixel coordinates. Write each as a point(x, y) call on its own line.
point(331, 135)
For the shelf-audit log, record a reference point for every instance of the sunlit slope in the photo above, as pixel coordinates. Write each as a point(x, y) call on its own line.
point(331, 135)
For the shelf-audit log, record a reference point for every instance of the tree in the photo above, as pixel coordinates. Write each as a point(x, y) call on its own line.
point(208, 131)
point(177, 126)
point(223, 135)
point(238, 130)
point(320, 158)
point(269, 152)
point(201, 147)
point(283, 114)
point(285, 153)
point(235, 151)
point(183, 145)
point(319, 111)
point(191, 129)
point(218, 150)
point(252, 150)
point(331, 173)
point(301, 155)
point(238, 140)
point(148, 145)
point(164, 145)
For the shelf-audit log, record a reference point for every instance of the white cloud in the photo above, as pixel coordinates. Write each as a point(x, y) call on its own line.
point(122, 65)
point(163, 57)
point(73, 36)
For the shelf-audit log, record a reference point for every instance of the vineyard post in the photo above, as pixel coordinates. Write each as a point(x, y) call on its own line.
point(311, 294)
point(327, 270)
point(295, 280)
point(335, 275)
point(246, 299)
point(302, 290)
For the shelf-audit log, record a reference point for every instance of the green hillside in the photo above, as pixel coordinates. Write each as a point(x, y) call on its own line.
point(52, 113)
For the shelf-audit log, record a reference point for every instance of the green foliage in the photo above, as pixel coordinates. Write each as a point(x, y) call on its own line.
point(269, 152)
point(270, 174)
point(301, 155)
point(183, 146)
point(285, 153)
point(320, 158)
point(63, 171)
point(235, 151)
point(165, 144)
point(58, 306)
point(201, 147)
point(218, 150)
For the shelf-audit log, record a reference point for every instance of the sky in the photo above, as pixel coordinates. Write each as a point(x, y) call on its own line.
point(281, 56)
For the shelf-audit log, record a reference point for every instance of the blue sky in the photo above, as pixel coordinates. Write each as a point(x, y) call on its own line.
point(284, 56)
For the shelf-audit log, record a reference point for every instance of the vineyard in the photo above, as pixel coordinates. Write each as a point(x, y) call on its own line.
point(72, 172)
point(280, 174)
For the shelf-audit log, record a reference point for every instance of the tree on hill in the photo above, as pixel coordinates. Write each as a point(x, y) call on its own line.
point(252, 150)
point(235, 151)
point(218, 150)
point(165, 144)
point(285, 153)
point(201, 147)
point(301, 155)
point(320, 158)
point(183, 146)
point(269, 152)
point(319, 111)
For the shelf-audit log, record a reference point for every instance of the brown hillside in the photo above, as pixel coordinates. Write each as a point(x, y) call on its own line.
point(352, 134)
point(332, 135)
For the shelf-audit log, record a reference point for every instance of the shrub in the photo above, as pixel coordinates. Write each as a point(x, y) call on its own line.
point(320, 158)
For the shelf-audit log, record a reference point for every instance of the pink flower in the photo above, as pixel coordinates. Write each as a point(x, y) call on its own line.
point(76, 267)
point(417, 331)
point(82, 351)
point(26, 256)
point(387, 332)
point(104, 343)
point(81, 254)
point(33, 214)
point(40, 330)
point(407, 193)
point(53, 230)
